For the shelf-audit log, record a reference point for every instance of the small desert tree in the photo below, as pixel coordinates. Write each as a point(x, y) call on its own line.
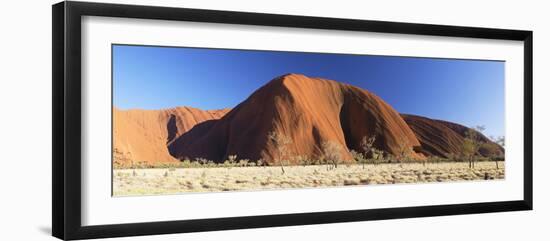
point(499, 141)
point(491, 149)
point(378, 156)
point(281, 143)
point(332, 152)
point(230, 162)
point(367, 144)
point(232, 158)
point(472, 144)
point(469, 150)
point(404, 150)
point(302, 160)
point(389, 157)
point(243, 162)
point(201, 161)
point(358, 157)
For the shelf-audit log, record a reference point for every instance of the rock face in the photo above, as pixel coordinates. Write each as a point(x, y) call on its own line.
point(143, 135)
point(443, 138)
point(309, 111)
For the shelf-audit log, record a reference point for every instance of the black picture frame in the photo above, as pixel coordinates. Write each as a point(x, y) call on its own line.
point(66, 158)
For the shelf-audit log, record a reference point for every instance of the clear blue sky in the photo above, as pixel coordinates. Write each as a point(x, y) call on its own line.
point(469, 92)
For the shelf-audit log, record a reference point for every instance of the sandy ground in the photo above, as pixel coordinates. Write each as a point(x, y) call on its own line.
point(181, 180)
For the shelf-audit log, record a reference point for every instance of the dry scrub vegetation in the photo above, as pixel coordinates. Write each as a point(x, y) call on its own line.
point(371, 166)
point(147, 181)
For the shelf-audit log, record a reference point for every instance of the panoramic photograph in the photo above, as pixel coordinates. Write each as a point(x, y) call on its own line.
point(189, 120)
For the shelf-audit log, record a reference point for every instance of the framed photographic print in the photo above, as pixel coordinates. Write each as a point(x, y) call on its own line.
point(169, 120)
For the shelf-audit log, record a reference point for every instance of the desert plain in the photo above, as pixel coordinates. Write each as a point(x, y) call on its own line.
point(157, 181)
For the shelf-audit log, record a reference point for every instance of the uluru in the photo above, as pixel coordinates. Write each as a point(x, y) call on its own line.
point(309, 111)
point(445, 139)
point(142, 136)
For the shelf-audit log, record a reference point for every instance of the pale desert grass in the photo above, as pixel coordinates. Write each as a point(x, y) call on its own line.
point(151, 181)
